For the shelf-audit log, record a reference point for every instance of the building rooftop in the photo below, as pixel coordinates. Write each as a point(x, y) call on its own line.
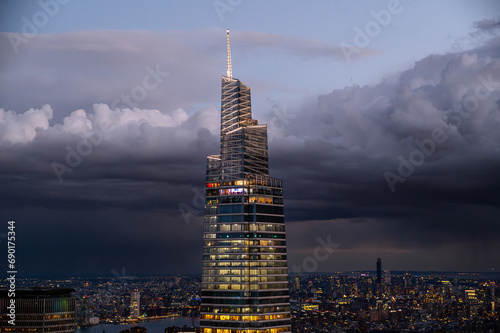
point(37, 292)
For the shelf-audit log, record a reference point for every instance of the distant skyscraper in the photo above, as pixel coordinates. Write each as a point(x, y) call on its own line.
point(379, 271)
point(297, 283)
point(38, 310)
point(245, 275)
point(135, 304)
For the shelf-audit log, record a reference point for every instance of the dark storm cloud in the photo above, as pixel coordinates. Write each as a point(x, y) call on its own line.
point(137, 149)
point(131, 196)
point(120, 206)
point(81, 243)
point(369, 155)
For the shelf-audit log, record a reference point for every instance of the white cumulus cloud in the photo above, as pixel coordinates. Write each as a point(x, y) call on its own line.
point(22, 128)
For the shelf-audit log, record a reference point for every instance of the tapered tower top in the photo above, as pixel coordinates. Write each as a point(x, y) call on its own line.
point(229, 68)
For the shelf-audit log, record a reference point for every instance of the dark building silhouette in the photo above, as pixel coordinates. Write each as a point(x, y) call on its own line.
point(184, 329)
point(135, 329)
point(379, 271)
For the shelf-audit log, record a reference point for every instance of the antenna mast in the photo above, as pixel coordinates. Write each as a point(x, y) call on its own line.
point(229, 68)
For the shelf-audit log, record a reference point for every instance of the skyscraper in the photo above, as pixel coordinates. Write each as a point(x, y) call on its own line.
point(379, 271)
point(245, 274)
point(135, 304)
point(38, 310)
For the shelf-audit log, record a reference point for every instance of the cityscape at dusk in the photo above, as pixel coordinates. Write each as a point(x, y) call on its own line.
point(371, 133)
point(320, 302)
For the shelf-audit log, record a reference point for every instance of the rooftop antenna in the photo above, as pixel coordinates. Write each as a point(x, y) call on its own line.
point(229, 68)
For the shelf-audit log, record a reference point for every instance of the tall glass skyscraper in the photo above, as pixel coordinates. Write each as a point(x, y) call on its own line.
point(245, 274)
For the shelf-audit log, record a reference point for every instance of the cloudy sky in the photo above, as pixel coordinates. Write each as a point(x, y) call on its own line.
point(383, 123)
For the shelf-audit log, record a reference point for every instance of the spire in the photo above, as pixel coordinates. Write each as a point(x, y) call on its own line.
point(229, 68)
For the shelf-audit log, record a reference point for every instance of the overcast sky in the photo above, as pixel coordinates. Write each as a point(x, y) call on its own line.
point(383, 122)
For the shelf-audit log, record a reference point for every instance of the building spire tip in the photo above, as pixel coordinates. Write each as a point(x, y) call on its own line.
point(229, 67)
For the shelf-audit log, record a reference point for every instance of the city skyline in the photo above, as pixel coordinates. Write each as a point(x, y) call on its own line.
point(384, 131)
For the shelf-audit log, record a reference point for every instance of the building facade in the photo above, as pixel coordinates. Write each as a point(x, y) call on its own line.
point(38, 310)
point(245, 274)
point(135, 304)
